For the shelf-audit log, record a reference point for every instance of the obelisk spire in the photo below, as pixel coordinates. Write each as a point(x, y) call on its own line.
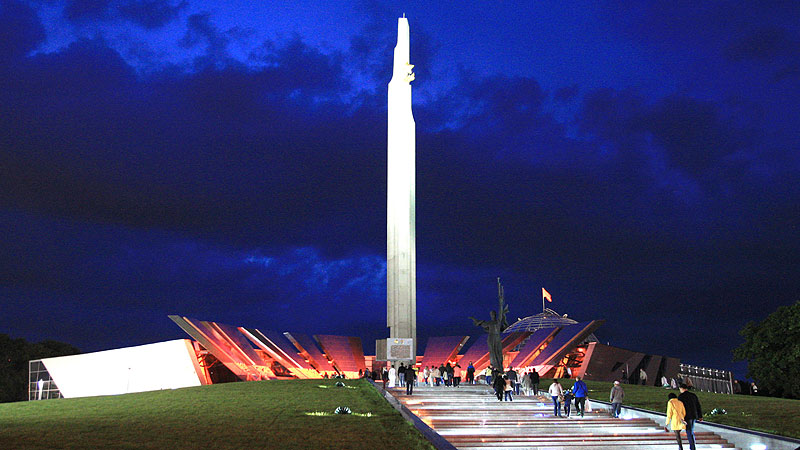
point(401, 254)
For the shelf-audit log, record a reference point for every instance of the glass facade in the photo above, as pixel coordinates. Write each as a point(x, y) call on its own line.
point(40, 384)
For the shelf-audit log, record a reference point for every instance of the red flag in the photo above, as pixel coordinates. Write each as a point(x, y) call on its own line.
point(546, 295)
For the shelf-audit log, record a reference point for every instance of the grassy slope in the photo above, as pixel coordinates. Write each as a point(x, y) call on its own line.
point(771, 415)
point(235, 415)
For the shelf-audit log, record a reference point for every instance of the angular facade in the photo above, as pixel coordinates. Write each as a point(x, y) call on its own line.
point(151, 367)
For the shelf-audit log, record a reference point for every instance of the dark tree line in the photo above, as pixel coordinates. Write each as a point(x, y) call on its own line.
point(14, 357)
point(772, 351)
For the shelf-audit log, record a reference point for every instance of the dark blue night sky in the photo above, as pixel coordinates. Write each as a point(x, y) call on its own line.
point(227, 161)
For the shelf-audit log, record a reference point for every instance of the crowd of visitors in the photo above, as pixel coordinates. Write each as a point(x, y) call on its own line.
point(683, 411)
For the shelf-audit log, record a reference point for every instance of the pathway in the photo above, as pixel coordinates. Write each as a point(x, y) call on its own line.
point(470, 417)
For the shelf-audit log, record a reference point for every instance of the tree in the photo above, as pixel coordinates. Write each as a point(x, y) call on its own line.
point(772, 351)
point(14, 357)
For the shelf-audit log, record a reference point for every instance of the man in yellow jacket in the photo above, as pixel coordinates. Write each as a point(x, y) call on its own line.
point(675, 414)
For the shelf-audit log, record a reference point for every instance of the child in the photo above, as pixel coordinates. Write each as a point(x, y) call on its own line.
point(568, 396)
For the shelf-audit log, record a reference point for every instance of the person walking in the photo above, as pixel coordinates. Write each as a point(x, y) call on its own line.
point(401, 375)
point(392, 376)
point(508, 388)
point(580, 390)
point(456, 374)
point(470, 373)
point(410, 377)
point(437, 374)
point(557, 393)
point(694, 413)
point(512, 375)
point(499, 385)
point(616, 396)
point(384, 377)
point(642, 376)
point(568, 396)
point(487, 375)
point(535, 382)
point(526, 383)
point(426, 373)
point(450, 374)
point(675, 417)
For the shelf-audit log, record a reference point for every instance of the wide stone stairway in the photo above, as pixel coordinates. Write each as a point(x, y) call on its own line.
point(471, 417)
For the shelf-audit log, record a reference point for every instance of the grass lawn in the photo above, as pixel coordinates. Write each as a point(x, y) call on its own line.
point(254, 415)
point(771, 415)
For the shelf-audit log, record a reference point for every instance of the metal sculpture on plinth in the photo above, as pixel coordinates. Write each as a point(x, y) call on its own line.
point(494, 327)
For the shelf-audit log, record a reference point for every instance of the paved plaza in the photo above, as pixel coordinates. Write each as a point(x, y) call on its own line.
point(471, 417)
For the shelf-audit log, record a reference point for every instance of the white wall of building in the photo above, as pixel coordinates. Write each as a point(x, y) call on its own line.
point(151, 367)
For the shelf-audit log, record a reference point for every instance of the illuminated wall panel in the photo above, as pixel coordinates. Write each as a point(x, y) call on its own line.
point(478, 350)
point(441, 349)
point(478, 354)
point(534, 345)
point(346, 353)
point(151, 367)
point(229, 346)
point(567, 339)
point(308, 349)
point(278, 347)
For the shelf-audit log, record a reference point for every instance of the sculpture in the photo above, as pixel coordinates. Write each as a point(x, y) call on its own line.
point(494, 327)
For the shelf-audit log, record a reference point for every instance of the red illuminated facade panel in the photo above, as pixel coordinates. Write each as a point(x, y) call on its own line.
point(345, 352)
point(568, 338)
point(478, 350)
point(308, 349)
point(533, 346)
point(440, 350)
point(228, 346)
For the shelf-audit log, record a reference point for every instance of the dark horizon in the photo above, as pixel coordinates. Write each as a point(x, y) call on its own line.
point(227, 161)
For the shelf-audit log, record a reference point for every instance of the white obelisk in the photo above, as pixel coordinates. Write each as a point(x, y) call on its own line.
point(401, 252)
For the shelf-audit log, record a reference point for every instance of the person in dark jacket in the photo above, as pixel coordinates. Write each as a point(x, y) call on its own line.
point(535, 382)
point(410, 375)
point(568, 396)
point(401, 374)
point(512, 375)
point(384, 377)
point(580, 391)
point(471, 373)
point(499, 385)
point(694, 413)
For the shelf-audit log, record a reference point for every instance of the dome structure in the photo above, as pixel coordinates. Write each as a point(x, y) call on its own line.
point(545, 319)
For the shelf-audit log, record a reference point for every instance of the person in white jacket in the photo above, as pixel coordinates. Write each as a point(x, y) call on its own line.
point(557, 392)
point(392, 376)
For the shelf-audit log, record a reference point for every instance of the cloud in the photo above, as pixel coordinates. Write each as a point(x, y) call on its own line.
point(765, 44)
point(691, 134)
point(201, 30)
point(20, 30)
point(261, 184)
point(566, 93)
point(86, 10)
point(151, 14)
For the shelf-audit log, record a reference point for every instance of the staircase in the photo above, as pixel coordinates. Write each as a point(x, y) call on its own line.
point(471, 417)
